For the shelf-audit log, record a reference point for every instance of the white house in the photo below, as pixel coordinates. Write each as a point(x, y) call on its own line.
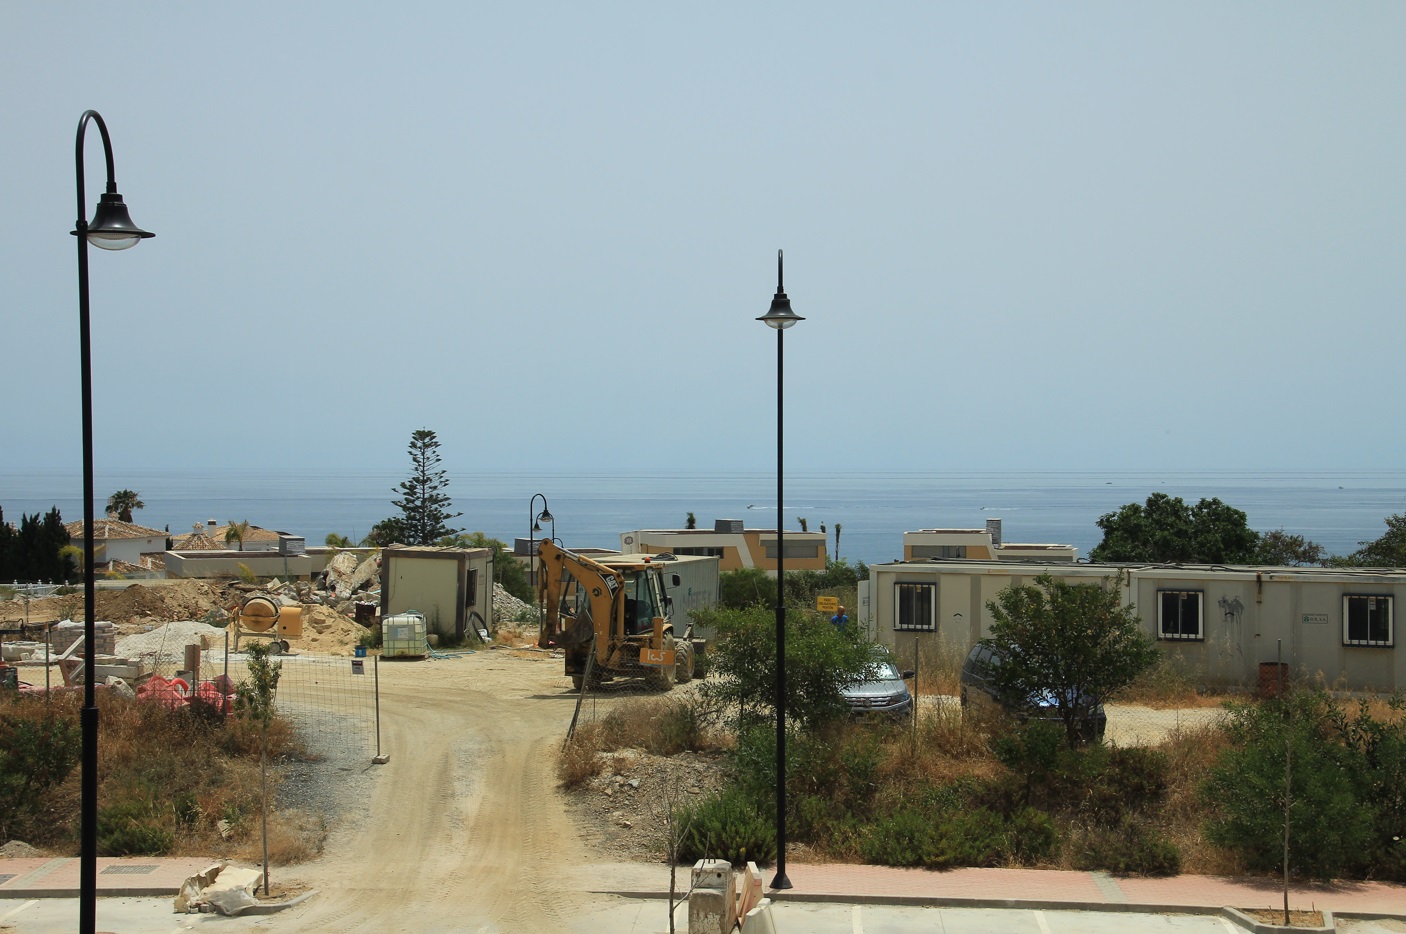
point(115, 540)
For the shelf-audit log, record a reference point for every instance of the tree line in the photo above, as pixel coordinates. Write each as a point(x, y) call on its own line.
point(1167, 530)
point(37, 549)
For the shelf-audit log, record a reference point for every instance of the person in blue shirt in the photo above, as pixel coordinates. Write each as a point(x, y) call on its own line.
point(840, 620)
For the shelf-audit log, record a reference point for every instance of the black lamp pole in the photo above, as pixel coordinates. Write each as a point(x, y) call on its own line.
point(532, 530)
point(780, 317)
point(111, 229)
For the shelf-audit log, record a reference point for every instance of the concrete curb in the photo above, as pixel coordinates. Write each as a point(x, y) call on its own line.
point(928, 901)
point(1261, 927)
point(268, 908)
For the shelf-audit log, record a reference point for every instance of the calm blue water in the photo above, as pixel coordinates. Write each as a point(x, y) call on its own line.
point(1335, 509)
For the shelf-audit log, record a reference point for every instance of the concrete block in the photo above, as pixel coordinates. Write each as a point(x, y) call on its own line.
point(712, 905)
point(759, 920)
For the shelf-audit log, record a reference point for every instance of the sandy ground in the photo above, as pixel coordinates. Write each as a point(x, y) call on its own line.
point(465, 829)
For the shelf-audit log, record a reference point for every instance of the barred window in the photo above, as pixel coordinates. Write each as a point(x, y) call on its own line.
point(1179, 615)
point(1367, 620)
point(915, 607)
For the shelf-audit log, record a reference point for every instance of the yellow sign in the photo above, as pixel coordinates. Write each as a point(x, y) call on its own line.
point(827, 604)
point(659, 658)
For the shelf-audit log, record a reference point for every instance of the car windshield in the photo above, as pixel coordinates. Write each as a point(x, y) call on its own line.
point(884, 670)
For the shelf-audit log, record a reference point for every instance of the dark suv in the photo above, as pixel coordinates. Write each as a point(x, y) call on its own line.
point(979, 691)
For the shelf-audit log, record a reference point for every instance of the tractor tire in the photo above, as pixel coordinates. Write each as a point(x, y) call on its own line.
point(661, 679)
point(683, 662)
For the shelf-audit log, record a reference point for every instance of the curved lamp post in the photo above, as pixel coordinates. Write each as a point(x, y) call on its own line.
point(534, 526)
point(110, 229)
point(780, 317)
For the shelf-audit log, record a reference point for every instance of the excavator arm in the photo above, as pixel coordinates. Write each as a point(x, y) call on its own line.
point(581, 599)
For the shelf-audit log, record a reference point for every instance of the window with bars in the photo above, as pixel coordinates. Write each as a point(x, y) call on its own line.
point(1367, 619)
point(1179, 615)
point(915, 607)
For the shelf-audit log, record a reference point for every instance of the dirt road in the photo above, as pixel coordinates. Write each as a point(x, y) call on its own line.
point(466, 829)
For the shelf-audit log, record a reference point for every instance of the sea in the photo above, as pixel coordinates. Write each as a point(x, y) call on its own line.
point(1337, 509)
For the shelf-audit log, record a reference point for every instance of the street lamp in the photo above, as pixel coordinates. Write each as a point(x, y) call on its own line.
point(533, 528)
point(780, 317)
point(110, 229)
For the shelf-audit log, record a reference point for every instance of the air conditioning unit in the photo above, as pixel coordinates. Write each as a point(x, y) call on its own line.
point(292, 545)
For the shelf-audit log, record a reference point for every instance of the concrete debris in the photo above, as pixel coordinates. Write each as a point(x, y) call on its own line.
point(227, 889)
point(507, 608)
point(120, 687)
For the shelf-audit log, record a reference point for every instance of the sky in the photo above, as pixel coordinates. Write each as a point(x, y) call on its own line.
point(1023, 235)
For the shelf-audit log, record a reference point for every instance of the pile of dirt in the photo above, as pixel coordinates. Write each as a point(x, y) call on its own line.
point(327, 632)
point(133, 609)
point(622, 810)
point(140, 605)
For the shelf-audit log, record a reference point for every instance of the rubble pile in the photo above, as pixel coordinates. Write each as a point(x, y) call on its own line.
point(508, 609)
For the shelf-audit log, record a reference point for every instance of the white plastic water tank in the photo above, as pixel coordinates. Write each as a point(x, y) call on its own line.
point(403, 635)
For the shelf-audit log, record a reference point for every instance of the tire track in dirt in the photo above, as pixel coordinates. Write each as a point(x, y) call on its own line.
point(466, 830)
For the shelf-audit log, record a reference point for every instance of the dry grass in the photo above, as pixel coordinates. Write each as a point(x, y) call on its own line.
point(938, 665)
point(580, 761)
point(1167, 685)
point(179, 772)
point(946, 746)
point(662, 726)
point(1191, 752)
point(294, 837)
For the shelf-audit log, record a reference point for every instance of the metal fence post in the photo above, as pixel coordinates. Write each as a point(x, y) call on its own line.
point(380, 759)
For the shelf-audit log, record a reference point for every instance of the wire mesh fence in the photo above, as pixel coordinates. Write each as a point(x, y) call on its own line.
point(329, 699)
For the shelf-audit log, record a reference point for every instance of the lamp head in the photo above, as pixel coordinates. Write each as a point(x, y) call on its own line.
point(780, 316)
point(112, 227)
point(536, 527)
point(546, 516)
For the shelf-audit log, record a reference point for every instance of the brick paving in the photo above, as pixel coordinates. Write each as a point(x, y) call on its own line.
point(59, 877)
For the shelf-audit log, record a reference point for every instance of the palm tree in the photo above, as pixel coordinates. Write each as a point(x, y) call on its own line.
point(236, 533)
point(121, 504)
point(334, 540)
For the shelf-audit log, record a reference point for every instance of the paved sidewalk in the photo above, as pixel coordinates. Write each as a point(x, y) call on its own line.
point(1025, 888)
point(46, 877)
point(820, 882)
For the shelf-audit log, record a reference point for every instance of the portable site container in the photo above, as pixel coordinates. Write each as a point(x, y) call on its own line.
point(404, 636)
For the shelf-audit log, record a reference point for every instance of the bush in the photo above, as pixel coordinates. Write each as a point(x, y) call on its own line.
point(1330, 826)
point(1132, 847)
point(37, 751)
point(948, 838)
point(133, 822)
point(726, 826)
point(820, 661)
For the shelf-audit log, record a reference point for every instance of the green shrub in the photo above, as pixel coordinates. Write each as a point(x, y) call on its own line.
point(37, 751)
point(1132, 847)
point(1031, 836)
point(726, 826)
point(820, 662)
point(947, 837)
point(906, 837)
point(1124, 780)
point(1331, 828)
point(133, 822)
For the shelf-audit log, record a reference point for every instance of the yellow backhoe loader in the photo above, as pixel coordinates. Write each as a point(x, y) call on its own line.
point(612, 616)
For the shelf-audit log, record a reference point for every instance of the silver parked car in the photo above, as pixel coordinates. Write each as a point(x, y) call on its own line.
point(884, 692)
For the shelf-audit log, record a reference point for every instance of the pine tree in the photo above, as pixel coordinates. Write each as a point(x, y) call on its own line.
point(424, 507)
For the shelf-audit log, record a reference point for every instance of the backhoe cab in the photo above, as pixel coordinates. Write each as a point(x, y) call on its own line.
point(613, 618)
